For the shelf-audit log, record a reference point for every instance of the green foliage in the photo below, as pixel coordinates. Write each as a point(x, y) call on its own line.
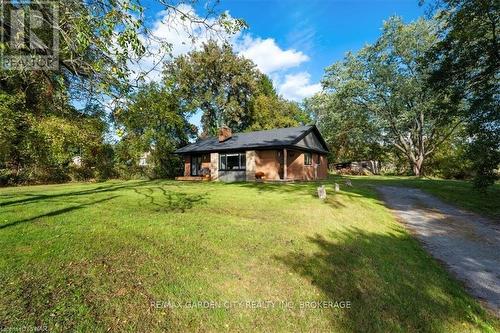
point(226, 87)
point(450, 160)
point(350, 135)
point(380, 94)
point(230, 91)
point(468, 60)
point(218, 82)
point(11, 119)
point(99, 41)
point(95, 43)
point(43, 131)
point(265, 86)
point(155, 122)
point(268, 110)
point(37, 144)
point(274, 112)
point(484, 151)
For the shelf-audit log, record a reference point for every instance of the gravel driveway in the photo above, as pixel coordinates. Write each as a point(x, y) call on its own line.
point(468, 244)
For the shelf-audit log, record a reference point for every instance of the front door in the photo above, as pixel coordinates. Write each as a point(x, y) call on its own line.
point(195, 165)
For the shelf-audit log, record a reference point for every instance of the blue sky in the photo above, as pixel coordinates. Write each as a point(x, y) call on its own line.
point(293, 40)
point(323, 29)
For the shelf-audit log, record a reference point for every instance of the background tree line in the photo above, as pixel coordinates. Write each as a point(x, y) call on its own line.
point(227, 88)
point(424, 95)
point(43, 132)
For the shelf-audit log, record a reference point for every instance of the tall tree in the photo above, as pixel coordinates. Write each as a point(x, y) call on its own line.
point(268, 110)
point(38, 145)
point(153, 121)
point(217, 81)
point(385, 85)
point(351, 133)
point(98, 41)
point(468, 60)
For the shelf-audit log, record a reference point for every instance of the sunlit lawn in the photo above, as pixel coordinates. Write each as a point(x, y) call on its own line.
point(456, 192)
point(109, 256)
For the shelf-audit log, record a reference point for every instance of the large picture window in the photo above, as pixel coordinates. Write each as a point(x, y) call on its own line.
point(233, 161)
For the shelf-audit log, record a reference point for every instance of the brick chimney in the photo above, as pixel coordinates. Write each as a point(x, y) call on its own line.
point(225, 133)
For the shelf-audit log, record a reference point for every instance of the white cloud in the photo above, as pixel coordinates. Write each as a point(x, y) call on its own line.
point(170, 32)
point(275, 61)
point(297, 86)
point(268, 56)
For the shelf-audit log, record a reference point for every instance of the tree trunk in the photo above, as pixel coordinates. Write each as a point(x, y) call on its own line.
point(417, 166)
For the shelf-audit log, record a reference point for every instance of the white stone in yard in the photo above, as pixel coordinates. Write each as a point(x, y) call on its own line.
point(322, 192)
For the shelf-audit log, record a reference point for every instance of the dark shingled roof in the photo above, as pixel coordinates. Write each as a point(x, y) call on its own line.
point(275, 138)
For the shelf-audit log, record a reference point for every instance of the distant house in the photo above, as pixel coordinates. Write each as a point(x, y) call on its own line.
point(282, 154)
point(370, 166)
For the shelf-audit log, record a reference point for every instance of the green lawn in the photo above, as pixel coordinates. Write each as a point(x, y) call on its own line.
point(93, 257)
point(456, 192)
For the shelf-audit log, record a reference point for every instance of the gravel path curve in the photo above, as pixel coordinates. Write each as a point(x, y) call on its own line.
point(468, 244)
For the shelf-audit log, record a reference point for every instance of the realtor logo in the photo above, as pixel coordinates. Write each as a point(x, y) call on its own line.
point(29, 35)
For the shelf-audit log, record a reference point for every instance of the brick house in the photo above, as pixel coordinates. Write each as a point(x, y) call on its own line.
point(282, 154)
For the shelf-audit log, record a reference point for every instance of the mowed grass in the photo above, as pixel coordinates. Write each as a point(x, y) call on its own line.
point(110, 256)
point(456, 192)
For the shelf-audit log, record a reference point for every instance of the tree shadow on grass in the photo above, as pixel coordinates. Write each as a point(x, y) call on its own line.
point(57, 212)
point(308, 188)
point(311, 189)
point(170, 201)
point(33, 198)
point(392, 283)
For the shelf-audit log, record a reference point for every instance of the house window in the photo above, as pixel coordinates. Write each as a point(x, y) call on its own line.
point(233, 161)
point(307, 158)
